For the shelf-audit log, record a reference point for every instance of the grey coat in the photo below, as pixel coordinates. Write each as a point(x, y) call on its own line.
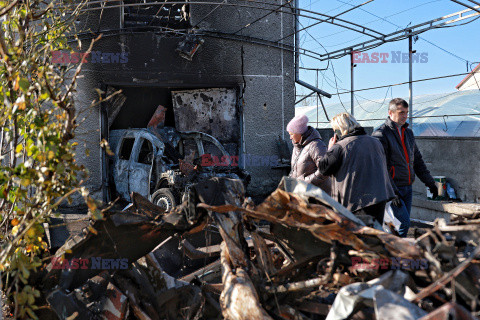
point(305, 156)
point(358, 165)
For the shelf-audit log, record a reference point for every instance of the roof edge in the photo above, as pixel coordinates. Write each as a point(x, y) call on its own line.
point(468, 76)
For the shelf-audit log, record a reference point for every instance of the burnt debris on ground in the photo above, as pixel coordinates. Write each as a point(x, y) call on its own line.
point(297, 255)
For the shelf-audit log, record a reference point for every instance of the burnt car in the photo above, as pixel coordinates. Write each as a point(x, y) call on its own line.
point(161, 165)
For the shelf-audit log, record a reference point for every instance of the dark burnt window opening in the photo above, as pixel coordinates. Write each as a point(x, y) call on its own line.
point(146, 152)
point(139, 14)
point(189, 149)
point(126, 149)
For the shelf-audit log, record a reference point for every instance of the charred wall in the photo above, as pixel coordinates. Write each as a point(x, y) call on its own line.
point(232, 56)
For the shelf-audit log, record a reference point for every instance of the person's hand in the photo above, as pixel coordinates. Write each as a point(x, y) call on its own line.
point(397, 202)
point(332, 141)
point(434, 190)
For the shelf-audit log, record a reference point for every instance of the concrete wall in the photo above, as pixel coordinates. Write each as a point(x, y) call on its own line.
point(266, 72)
point(456, 158)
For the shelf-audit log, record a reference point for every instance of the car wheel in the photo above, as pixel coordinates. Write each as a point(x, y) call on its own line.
point(164, 198)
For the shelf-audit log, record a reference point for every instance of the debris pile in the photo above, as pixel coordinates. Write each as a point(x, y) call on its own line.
point(297, 255)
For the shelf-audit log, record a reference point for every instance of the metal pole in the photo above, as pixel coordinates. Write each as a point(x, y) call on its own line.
point(351, 81)
point(410, 84)
point(316, 84)
point(105, 167)
point(297, 44)
point(320, 91)
point(297, 59)
point(323, 106)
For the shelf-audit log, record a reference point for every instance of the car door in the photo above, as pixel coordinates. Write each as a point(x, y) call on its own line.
point(122, 164)
point(141, 166)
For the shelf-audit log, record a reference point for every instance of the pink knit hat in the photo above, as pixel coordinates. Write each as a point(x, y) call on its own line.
point(298, 124)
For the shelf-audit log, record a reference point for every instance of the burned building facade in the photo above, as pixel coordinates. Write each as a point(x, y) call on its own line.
point(226, 69)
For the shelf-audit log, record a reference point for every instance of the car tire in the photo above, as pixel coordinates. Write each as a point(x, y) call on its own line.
point(164, 198)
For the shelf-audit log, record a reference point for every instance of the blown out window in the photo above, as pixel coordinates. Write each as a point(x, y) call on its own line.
point(151, 13)
point(126, 150)
point(146, 152)
point(190, 150)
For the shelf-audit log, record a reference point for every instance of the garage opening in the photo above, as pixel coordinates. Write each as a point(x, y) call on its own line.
point(213, 111)
point(139, 106)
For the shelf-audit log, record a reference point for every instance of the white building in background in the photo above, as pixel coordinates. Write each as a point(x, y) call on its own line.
point(471, 81)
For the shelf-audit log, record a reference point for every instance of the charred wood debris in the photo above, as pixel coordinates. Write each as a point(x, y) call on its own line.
point(297, 255)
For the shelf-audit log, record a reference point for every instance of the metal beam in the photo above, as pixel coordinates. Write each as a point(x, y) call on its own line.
point(466, 5)
point(316, 84)
point(410, 78)
point(317, 90)
point(305, 97)
point(324, 110)
point(297, 43)
point(317, 23)
point(401, 34)
point(402, 83)
point(475, 2)
point(262, 17)
point(297, 61)
point(352, 91)
point(306, 52)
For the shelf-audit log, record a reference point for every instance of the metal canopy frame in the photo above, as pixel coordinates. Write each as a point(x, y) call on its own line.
point(402, 34)
point(406, 33)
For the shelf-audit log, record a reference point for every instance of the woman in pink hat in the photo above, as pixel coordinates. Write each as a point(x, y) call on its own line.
point(308, 148)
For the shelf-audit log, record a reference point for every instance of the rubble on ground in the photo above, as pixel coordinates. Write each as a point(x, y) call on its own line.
point(297, 255)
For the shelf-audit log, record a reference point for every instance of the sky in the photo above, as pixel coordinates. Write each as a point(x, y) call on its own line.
point(445, 51)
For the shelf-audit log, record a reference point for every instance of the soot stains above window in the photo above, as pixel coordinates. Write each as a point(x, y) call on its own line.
point(143, 15)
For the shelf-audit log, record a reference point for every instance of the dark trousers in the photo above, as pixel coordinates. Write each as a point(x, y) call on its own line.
point(377, 211)
point(403, 213)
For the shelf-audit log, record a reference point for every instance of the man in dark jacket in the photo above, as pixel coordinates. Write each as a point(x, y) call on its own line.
point(404, 161)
